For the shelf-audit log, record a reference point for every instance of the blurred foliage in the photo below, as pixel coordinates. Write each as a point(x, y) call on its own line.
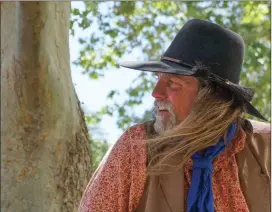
point(99, 149)
point(124, 27)
point(99, 146)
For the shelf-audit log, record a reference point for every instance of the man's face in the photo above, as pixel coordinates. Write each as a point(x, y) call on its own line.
point(174, 97)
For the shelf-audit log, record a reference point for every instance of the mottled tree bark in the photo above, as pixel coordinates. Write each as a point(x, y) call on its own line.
point(45, 155)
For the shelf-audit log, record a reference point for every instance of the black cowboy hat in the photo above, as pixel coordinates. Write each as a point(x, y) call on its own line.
point(220, 50)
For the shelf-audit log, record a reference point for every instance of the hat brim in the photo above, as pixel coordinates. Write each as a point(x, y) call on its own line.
point(165, 67)
point(158, 66)
point(241, 93)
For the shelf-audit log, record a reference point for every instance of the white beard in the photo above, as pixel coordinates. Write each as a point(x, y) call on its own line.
point(161, 123)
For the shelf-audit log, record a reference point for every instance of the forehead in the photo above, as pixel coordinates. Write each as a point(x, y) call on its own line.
point(175, 76)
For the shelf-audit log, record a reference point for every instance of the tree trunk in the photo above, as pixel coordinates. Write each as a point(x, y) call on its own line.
point(45, 155)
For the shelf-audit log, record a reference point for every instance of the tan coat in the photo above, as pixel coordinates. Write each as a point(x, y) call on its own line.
point(165, 193)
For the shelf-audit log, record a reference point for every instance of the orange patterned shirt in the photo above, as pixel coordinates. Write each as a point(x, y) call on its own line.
point(118, 183)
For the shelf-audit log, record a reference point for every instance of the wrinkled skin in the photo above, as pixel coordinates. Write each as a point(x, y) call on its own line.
point(174, 97)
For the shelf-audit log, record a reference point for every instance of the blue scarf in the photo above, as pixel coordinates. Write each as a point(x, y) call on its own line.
point(200, 197)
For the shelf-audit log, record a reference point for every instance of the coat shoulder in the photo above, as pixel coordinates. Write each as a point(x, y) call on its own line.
point(260, 144)
point(261, 127)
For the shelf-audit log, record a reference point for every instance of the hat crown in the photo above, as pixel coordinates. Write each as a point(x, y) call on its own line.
point(214, 46)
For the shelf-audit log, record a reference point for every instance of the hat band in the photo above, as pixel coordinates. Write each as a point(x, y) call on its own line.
point(211, 75)
point(176, 61)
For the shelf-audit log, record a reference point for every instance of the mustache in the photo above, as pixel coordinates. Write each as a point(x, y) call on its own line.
point(163, 105)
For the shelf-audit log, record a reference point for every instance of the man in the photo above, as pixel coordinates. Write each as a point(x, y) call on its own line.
point(199, 154)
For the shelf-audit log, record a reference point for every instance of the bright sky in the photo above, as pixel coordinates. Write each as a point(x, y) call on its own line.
point(93, 93)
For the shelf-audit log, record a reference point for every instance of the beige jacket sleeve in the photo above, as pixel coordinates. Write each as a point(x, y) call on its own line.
point(254, 167)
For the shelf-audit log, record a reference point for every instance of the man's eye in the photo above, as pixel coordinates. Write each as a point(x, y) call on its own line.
point(173, 84)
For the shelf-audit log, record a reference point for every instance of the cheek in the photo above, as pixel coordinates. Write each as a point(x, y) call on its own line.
point(183, 102)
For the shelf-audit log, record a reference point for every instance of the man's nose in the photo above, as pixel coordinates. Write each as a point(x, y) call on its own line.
point(159, 91)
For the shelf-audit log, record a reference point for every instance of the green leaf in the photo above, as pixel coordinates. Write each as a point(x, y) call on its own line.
point(81, 41)
point(94, 75)
point(75, 11)
point(112, 94)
